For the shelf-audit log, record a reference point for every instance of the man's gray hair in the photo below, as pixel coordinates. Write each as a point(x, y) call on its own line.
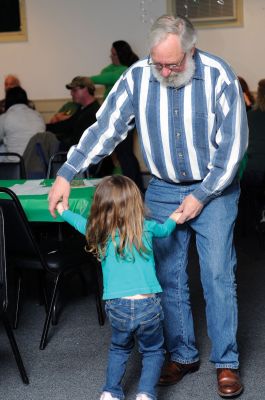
point(179, 26)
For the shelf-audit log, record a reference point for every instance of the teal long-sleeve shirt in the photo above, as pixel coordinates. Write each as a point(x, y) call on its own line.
point(134, 274)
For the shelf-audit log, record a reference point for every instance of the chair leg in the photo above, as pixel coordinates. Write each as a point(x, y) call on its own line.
point(15, 349)
point(42, 291)
point(17, 303)
point(49, 314)
point(55, 310)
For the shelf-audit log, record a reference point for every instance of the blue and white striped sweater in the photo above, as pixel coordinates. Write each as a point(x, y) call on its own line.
point(196, 132)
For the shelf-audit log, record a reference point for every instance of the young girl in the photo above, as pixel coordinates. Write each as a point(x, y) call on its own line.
point(121, 239)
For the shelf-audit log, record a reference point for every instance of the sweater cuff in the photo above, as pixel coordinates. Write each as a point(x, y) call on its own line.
point(203, 195)
point(67, 172)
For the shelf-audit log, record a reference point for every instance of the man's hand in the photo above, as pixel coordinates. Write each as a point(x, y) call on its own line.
point(60, 191)
point(189, 208)
point(61, 116)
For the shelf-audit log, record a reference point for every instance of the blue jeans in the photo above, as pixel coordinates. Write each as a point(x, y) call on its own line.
point(214, 240)
point(130, 319)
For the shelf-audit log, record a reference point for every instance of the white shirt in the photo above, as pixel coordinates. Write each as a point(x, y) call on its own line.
point(17, 125)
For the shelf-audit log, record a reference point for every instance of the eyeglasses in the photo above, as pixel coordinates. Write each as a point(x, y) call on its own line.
point(171, 67)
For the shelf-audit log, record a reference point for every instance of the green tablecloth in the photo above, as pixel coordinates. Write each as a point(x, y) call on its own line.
point(36, 206)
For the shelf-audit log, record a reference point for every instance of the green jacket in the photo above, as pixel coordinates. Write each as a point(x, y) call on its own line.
point(108, 76)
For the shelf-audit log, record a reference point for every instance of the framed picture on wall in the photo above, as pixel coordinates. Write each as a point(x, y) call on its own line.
point(209, 13)
point(12, 21)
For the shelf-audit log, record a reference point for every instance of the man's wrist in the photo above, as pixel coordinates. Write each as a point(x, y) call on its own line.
point(67, 173)
point(203, 195)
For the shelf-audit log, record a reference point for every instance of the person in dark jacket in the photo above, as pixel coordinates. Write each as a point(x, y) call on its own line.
point(69, 132)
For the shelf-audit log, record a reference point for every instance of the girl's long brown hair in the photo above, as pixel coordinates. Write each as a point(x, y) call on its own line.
point(117, 209)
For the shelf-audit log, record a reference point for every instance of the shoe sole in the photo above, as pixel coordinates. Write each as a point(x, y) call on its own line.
point(190, 371)
point(231, 396)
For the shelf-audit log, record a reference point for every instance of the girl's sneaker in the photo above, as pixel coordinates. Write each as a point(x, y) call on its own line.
point(107, 396)
point(142, 396)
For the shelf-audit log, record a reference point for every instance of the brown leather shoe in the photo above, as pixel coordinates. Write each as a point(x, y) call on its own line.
point(229, 384)
point(173, 372)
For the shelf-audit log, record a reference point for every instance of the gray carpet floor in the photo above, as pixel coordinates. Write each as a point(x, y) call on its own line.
point(73, 364)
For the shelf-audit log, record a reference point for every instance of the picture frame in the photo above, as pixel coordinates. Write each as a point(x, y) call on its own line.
point(13, 26)
point(209, 13)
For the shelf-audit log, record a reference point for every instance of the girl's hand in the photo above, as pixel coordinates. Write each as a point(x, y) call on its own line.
point(189, 209)
point(60, 208)
point(175, 216)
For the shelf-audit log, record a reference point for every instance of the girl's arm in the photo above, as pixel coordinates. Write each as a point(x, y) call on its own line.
point(76, 220)
point(165, 229)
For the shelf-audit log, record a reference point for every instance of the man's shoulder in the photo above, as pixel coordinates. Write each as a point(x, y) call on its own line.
point(90, 107)
point(137, 73)
point(137, 66)
point(211, 59)
point(214, 62)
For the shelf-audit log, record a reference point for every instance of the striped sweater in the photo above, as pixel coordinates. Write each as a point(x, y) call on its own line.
point(196, 132)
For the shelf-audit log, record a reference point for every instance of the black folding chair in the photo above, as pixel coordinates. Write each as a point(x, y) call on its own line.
point(4, 302)
point(55, 163)
point(53, 260)
point(13, 167)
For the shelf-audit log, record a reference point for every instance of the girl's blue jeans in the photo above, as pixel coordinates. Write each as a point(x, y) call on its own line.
point(130, 320)
point(213, 229)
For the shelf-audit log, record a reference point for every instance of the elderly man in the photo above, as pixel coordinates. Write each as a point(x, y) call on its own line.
point(10, 82)
point(191, 120)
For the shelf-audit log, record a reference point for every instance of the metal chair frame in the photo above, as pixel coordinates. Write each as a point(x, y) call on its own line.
point(4, 302)
point(55, 260)
point(12, 169)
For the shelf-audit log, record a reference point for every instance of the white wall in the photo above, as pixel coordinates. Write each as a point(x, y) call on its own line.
point(242, 47)
point(73, 37)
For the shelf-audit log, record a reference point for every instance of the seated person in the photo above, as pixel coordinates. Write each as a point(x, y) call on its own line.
point(19, 122)
point(69, 131)
point(10, 82)
point(122, 57)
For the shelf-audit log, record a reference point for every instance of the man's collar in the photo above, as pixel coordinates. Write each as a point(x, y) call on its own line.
point(198, 73)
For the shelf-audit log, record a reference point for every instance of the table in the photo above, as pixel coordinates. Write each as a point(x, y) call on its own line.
point(33, 195)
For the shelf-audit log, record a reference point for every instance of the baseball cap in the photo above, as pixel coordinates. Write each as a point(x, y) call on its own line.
point(81, 81)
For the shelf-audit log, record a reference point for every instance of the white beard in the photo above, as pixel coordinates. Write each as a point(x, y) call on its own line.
point(177, 79)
